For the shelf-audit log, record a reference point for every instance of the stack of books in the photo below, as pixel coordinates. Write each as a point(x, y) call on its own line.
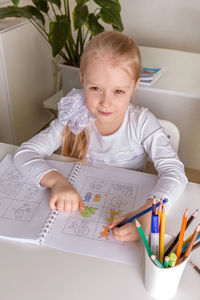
point(150, 75)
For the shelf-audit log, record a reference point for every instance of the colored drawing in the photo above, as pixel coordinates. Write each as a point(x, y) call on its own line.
point(113, 214)
point(97, 198)
point(87, 197)
point(104, 233)
point(88, 212)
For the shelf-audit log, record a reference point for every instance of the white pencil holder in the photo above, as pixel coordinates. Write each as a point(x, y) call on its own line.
point(162, 283)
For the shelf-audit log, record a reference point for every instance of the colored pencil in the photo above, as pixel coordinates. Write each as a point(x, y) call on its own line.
point(162, 235)
point(186, 243)
point(195, 267)
point(172, 245)
point(195, 246)
point(166, 262)
point(149, 209)
point(160, 212)
point(154, 206)
point(172, 259)
point(181, 236)
point(189, 248)
point(141, 232)
point(156, 261)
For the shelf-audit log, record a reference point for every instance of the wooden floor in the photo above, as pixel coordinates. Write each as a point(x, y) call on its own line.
point(192, 175)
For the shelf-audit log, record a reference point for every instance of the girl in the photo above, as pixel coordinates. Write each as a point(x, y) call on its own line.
point(99, 124)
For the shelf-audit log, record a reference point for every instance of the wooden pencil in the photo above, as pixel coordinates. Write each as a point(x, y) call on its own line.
point(181, 236)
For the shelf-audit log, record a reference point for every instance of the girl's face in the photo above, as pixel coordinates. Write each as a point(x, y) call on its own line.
point(108, 90)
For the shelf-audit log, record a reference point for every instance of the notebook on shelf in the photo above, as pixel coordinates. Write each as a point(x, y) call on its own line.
point(150, 75)
point(107, 192)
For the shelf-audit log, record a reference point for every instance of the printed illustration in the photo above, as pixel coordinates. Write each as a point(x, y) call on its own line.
point(88, 212)
point(21, 211)
point(9, 189)
point(87, 197)
point(80, 227)
point(104, 233)
point(13, 174)
point(113, 214)
point(97, 198)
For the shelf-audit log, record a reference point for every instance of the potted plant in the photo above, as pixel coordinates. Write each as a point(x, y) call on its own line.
point(67, 30)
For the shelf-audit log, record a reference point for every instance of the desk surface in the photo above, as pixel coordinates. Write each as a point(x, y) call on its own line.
point(35, 272)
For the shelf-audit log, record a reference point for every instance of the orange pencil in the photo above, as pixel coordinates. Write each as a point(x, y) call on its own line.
point(162, 236)
point(181, 236)
point(189, 248)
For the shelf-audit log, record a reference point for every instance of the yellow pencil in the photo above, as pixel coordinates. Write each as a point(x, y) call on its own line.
point(160, 213)
point(162, 236)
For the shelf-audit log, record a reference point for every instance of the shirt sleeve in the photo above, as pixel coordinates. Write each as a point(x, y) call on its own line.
point(171, 176)
point(30, 156)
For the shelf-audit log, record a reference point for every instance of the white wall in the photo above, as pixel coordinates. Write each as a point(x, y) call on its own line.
point(172, 24)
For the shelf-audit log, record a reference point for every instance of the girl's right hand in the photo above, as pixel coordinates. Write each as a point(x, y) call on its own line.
point(64, 196)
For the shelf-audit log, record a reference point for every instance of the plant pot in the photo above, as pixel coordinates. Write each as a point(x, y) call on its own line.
point(70, 78)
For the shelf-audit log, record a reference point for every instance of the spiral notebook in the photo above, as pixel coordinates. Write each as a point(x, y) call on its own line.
point(107, 193)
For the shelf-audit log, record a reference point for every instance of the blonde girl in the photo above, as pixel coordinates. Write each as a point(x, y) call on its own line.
point(99, 124)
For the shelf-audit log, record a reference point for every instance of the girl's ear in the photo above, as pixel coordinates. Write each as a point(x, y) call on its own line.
point(136, 84)
point(81, 77)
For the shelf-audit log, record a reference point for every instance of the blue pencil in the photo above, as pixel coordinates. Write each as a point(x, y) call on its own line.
point(139, 214)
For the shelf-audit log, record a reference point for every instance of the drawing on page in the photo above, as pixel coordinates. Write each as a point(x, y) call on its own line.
point(87, 197)
point(97, 198)
point(122, 189)
point(88, 211)
point(20, 211)
point(80, 227)
point(9, 189)
point(104, 233)
point(113, 214)
point(13, 174)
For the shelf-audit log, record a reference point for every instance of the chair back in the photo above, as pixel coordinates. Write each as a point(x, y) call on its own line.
point(172, 133)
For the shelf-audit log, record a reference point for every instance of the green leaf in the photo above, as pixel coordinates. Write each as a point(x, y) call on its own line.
point(109, 4)
point(15, 2)
point(41, 5)
point(58, 33)
point(80, 15)
point(81, 2)
point(93, 25)
point(28, 12)
point(111, 16)
point(56, 2)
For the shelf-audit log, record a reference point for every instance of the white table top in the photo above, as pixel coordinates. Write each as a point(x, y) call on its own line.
point(35, 272)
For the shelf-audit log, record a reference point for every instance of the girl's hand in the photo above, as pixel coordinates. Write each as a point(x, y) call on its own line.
point(129, 232)
point(64, 196)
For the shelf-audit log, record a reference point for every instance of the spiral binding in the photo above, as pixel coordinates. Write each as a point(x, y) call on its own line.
point(54, 213)
point(74, 173)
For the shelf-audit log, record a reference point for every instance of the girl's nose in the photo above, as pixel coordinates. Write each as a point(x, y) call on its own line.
point(105, 100)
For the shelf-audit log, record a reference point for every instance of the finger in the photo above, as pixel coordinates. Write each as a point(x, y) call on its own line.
point(81, 204)
point(125, 229)
point(52, 202)
point(68, 206)
point(60, 205)
point(116, 222)
point(131, 236)
point(74, 205)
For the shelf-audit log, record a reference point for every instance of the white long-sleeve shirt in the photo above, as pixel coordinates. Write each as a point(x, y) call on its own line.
point(139, 135)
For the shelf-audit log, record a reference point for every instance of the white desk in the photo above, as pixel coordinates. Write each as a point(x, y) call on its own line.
point(30, 272)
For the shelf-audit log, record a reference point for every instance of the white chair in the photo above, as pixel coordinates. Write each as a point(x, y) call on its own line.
point(172, 133)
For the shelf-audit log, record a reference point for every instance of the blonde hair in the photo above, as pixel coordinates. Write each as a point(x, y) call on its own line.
point(113, 47)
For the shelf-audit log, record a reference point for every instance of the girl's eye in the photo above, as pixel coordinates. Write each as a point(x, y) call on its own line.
point(119, 92)
point(94, 88)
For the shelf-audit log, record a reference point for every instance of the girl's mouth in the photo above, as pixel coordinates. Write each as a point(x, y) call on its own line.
point(105, 113)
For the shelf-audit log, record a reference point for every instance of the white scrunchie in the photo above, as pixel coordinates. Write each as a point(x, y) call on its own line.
point(73, 111)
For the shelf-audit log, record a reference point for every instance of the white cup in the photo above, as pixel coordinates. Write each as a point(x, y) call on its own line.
point(162, 283)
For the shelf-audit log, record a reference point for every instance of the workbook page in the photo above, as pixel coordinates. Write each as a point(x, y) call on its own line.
point(23, 205)
point(107, 194)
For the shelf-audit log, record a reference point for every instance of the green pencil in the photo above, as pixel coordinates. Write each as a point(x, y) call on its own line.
point(141, 232)
point(156, 261)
